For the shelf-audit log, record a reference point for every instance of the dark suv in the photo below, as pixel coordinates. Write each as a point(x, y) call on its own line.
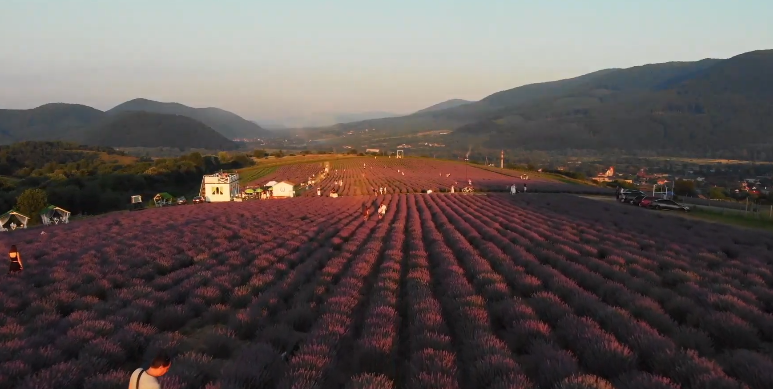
point(628, 196)
point(668, 205)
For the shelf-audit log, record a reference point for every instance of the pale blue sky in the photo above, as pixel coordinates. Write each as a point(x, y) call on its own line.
point(272, 59)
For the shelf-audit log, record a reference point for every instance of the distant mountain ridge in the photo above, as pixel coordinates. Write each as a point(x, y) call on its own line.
point(453, 103)
point(86, 125)
point(229, 124)
point(707, 107)
point(147, 129)
point(55, 121)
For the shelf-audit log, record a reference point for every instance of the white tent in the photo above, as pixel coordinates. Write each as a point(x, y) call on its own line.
point(271, 183)
point(54, 215)
point(12, 220)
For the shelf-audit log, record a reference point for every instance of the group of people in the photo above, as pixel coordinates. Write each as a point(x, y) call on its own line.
point(514, 188)
point(382, 208)
point(379, 190)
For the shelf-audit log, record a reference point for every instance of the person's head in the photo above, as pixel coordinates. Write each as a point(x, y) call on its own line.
point(13, 249)
point(160, 364)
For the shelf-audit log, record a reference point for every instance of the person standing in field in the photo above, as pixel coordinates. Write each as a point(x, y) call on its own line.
point(524, 187)
point(146, 378)
point(513, 189)
point(382, 211)
point(16, 263)
point(319, 192)
point(365, 211)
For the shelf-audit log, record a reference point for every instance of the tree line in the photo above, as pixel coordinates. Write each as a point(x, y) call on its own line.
point(85, 180)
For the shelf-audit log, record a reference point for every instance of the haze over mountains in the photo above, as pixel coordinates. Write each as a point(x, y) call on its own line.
point(136, 123)
point(229, 124)
point(703, 106)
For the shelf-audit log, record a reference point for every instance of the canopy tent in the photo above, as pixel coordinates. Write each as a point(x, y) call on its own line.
point(12, 220)
point(54, 215)
point(249, 191)
point(163, 198)
point(271, 183)
point(136, 204)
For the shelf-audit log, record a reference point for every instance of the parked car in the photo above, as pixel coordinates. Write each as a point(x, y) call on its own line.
point(637, 199)
point(668, 205)
point(182, 200)
point(199, 200)
point(647, 200)
point(627, 197)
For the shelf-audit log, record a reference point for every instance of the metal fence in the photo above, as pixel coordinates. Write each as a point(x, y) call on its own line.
point(731, 207)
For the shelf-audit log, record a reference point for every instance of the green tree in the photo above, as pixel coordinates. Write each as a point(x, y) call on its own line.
point(224, 157)
point(717, 193)
point(684, 188)
point(31, 202)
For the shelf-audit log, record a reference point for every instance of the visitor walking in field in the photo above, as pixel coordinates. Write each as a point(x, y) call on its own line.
point(146, 378)
point(382, 211)
point(365, 211)
point(513, 189)
point(319, 191)
point(16, 263)
point(524, 188)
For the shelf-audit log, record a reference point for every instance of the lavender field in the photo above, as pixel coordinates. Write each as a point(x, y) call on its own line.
point(414, 175)
point(448, 291)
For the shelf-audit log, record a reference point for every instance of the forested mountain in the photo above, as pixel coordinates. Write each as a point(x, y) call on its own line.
point(47, 122)
point(444, 105)
point(710, 107)
point(86, 125)
point(229, 124)
point(145, 129)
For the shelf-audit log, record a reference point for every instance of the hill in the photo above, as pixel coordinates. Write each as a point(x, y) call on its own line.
point(146, 129)
point(709, 107)
point(444, 105)
point(229, 124)
point(48, 122)
point(461, 114)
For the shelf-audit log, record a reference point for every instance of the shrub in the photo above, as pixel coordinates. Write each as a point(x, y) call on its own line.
point(115, 379)
point(370, 381)
point(549, 365)
point(584, 381)
point(753, 368)
point(642, 380)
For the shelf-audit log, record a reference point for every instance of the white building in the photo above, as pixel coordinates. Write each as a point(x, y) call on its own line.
point(220, 187)
point(283, 189)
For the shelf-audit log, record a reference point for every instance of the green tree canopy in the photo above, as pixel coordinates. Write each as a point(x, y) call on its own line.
point(31, 202)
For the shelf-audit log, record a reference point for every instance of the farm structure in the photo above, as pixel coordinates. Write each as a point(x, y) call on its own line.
point(283, 189)
point(220, 187)
point(492, 291)
point(412, 175)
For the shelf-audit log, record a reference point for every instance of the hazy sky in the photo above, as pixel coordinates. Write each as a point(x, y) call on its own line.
point(273, 59)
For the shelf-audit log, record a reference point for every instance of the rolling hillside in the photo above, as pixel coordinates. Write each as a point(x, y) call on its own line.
point(145, 129)
point(48, 122)
point(229, 124)
point(453, 103)
point(704, 107)
point(707, 107)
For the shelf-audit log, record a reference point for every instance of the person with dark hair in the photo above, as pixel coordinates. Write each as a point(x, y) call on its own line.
point(146, 378)
point(16, 263)
point(365, 211)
